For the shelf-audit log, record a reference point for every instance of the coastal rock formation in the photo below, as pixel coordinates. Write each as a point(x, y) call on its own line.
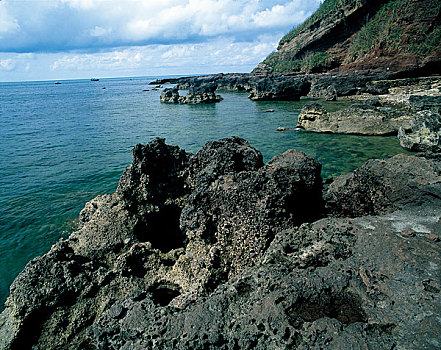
point(383, 186)
point(425, 135)
point(279, 88)
point(177, 226)
point(202, 94)
point(169, 95)
point(218, 250)
point(261, 87)
point(333, 284)
point(196, 95)
point(362, 119)
point(400, 36)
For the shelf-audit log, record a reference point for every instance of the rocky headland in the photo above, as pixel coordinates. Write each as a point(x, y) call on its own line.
point(217, 250)
point(384, 50)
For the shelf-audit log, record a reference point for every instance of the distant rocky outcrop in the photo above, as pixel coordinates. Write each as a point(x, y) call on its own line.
point(260, 87)
point(196, 95)
point(361, 119)
point(169, 95)
point(278, 88)
point(217, 250)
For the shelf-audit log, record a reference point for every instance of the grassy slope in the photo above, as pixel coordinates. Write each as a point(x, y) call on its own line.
point(399, 27)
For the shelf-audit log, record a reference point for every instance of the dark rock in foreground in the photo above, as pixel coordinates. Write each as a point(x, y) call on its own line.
point(333, 284)
point(217, 250)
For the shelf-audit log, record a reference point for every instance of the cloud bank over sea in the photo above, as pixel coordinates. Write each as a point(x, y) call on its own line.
point(72, 38)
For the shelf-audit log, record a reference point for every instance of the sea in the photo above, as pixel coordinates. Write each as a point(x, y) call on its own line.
point(63, 144)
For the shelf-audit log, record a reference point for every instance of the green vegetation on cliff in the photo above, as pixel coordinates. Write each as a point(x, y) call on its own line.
point(397, 27)
point(346, 31)
point(327, 7)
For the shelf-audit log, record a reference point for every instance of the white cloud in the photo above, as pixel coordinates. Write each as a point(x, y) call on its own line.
point(80, 38)
point(60, 25)
point(7, 65)
point(100, 31)
point(8, 24)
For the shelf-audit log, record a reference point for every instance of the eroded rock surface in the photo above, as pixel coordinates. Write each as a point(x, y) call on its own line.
point(217, 250)
point(361, 119)
point(383, 185)
point(425, 134)
point(334, 284)
point(196, 95)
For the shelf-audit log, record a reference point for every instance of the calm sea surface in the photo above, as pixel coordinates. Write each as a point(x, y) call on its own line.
point(63, 144)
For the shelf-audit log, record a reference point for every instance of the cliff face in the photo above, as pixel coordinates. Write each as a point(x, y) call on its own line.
point(394, 35)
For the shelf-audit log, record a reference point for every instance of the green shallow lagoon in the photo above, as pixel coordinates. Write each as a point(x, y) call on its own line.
point(61, 145)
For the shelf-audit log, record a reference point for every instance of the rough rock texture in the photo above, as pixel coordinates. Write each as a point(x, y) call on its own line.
point(425, 135)
point(363, 119)
point(333, 284)
point(381, 186)
point(177, 226)
point(196, 95)
point(169, 95)
point(279, 88)
point(217, 250)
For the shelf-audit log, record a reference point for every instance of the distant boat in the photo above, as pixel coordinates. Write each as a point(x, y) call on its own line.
point(94, 79)
point(57, 82)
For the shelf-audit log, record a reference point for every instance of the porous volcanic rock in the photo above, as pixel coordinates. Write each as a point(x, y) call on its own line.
point(169, 95)
point(333, 284)
point(382, 186)
point(202, 94)
point(177, 226)
point(217, 250)
point(425, 135)
point(361, 119)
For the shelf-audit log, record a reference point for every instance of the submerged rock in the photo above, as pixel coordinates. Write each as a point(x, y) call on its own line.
point(218, 250)
point(360, 119)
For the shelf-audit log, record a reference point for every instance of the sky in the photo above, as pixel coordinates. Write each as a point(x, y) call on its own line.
point(74, 39)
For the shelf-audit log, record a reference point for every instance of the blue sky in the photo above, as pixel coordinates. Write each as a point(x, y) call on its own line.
point(67, 39)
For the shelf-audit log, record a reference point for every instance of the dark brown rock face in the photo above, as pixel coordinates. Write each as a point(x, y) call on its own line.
point(217, 250)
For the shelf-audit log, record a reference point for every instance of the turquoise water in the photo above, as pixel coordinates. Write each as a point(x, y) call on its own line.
point(61, 145)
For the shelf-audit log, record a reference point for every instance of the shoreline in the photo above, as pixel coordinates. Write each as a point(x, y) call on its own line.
point(186, 233)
